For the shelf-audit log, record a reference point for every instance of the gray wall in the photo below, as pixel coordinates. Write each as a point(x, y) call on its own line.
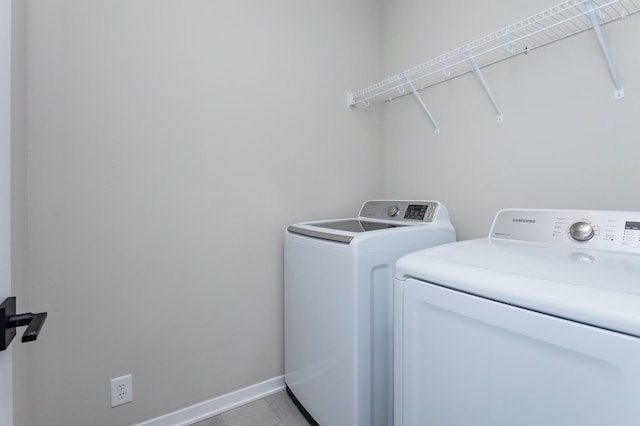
point(565, 141)
point(170, 143)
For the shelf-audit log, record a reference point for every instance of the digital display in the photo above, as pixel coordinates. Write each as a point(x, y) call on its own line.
point(633, 226)
point(416, 211)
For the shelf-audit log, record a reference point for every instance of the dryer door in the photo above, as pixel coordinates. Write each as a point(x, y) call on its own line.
point(465, 360)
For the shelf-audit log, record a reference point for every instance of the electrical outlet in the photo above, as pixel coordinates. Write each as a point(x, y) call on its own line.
point(121, 390)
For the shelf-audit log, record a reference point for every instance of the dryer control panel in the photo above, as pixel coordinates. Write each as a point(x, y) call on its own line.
point(422, 211)
point(594, 229)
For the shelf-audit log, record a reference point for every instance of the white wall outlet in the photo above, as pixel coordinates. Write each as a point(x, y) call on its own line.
point(121, 390)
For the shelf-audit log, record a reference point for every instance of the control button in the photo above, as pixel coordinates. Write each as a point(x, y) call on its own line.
point(392, 211)
point(581, 231)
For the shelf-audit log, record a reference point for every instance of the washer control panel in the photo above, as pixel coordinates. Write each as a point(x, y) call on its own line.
point(604, 230)
point(421, 211)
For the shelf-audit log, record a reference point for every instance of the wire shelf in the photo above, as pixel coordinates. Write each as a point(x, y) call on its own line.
point(556, 23)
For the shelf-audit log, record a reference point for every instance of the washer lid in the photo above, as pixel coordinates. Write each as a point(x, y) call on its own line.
point(596, 287)
point(379, 219)
point(355, 225)
point(345, 230)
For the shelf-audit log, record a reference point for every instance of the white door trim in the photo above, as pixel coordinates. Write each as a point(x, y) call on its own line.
point(6, 381)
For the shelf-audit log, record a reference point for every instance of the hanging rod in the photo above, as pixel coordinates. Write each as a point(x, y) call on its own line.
point(556, 23)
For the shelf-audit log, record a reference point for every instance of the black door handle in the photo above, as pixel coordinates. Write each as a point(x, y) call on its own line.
point(9, 321)
point(36, 323)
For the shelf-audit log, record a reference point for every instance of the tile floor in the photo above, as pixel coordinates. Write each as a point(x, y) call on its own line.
point(275, 410)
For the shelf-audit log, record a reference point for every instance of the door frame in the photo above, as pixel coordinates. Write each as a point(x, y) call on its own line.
point(6, 377)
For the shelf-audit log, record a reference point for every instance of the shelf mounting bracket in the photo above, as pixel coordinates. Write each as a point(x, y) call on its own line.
point(619, 90)
point(424, 107)
point(478, 73)
point(350, 101)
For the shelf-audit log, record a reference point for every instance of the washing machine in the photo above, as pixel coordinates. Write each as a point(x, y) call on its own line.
point(538, 324)
point(338, 289)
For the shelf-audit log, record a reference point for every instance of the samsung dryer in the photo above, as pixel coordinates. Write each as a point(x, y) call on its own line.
point(338, 289)
point(538, 324)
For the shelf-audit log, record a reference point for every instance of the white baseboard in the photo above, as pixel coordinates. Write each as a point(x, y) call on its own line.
point(215, 406)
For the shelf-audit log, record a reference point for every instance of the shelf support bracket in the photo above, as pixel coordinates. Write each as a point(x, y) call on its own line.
point(619, 90)
point(350, 101)
point(424, 107)
point(478, 73)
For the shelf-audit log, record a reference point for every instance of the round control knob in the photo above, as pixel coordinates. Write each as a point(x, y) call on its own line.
point(392, 211)
point(581, 231)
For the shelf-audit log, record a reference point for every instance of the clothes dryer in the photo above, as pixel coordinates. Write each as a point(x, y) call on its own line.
point(538, 324)
point(339, 307)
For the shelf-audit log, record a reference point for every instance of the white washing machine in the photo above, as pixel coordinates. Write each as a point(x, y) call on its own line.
point(538, 324)
point(338, 289)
